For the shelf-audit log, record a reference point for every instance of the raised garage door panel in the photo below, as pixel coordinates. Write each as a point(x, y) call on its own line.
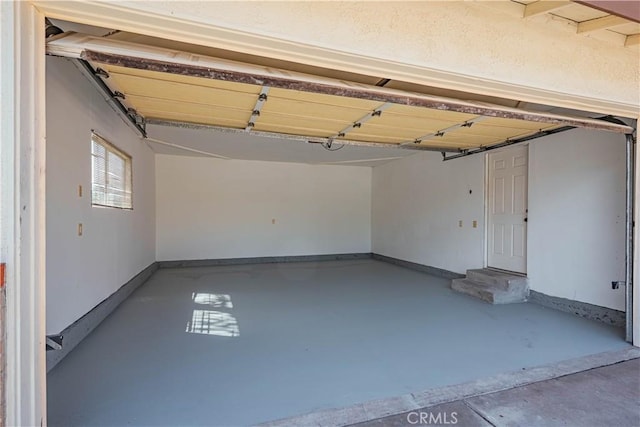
point(169, 85)
point(312, 110)
point(275, 121)
point(158, 89)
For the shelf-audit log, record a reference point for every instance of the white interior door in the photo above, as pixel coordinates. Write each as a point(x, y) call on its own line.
point(507, 209)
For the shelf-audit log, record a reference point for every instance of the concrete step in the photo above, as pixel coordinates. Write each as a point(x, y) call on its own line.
point(506, 281)
point(491, 293)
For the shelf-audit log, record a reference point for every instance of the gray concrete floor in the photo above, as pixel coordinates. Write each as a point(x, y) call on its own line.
point(607, 396)
point(239, 345)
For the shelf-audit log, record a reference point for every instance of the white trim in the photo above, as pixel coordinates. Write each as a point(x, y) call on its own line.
point(485, 198)
point(135, 19)
point(22, 221)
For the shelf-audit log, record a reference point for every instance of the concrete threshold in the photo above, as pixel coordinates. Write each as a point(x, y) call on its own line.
point(375, 409)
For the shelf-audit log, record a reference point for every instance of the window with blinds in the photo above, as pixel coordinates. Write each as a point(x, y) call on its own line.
point(110, 175)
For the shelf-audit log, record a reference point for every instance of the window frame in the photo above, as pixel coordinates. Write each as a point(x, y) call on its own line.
point(127, 176)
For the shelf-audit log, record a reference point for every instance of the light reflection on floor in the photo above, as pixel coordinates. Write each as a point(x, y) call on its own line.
point(214, 300)
point(209, 322)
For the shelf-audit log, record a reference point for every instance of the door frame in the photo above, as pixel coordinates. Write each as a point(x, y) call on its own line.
point(636, 248)
point(486, 203)
point(22, 213)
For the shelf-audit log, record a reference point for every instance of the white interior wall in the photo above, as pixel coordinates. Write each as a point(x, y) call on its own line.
point(116, 244)
point(418, 202)
point(576, 214)
point(210, 208)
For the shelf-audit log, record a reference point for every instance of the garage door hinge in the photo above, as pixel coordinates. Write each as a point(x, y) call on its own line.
point(102, 73)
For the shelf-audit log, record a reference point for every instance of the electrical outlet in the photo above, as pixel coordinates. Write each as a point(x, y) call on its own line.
point(460, 223)
point(475, 224)
point(80, 229)
point(273, 221)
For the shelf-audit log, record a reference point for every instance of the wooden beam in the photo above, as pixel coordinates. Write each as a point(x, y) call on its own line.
point(600, 23)
point(632, 40)
point(625, 8)
point(539, 7)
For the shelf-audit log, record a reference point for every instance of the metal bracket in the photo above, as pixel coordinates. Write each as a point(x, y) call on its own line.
point(442, 132)
point(113, 98)
point(617, 283)
point(358, 123)
point(507, 142)
point(102, 73)
point(54, 342)
point(136, 118)
point(255, 113)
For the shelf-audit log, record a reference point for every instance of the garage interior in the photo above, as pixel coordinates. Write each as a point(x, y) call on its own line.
point(293, 231)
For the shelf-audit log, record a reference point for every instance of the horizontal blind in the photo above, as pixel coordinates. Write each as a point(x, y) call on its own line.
point(111, 175)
